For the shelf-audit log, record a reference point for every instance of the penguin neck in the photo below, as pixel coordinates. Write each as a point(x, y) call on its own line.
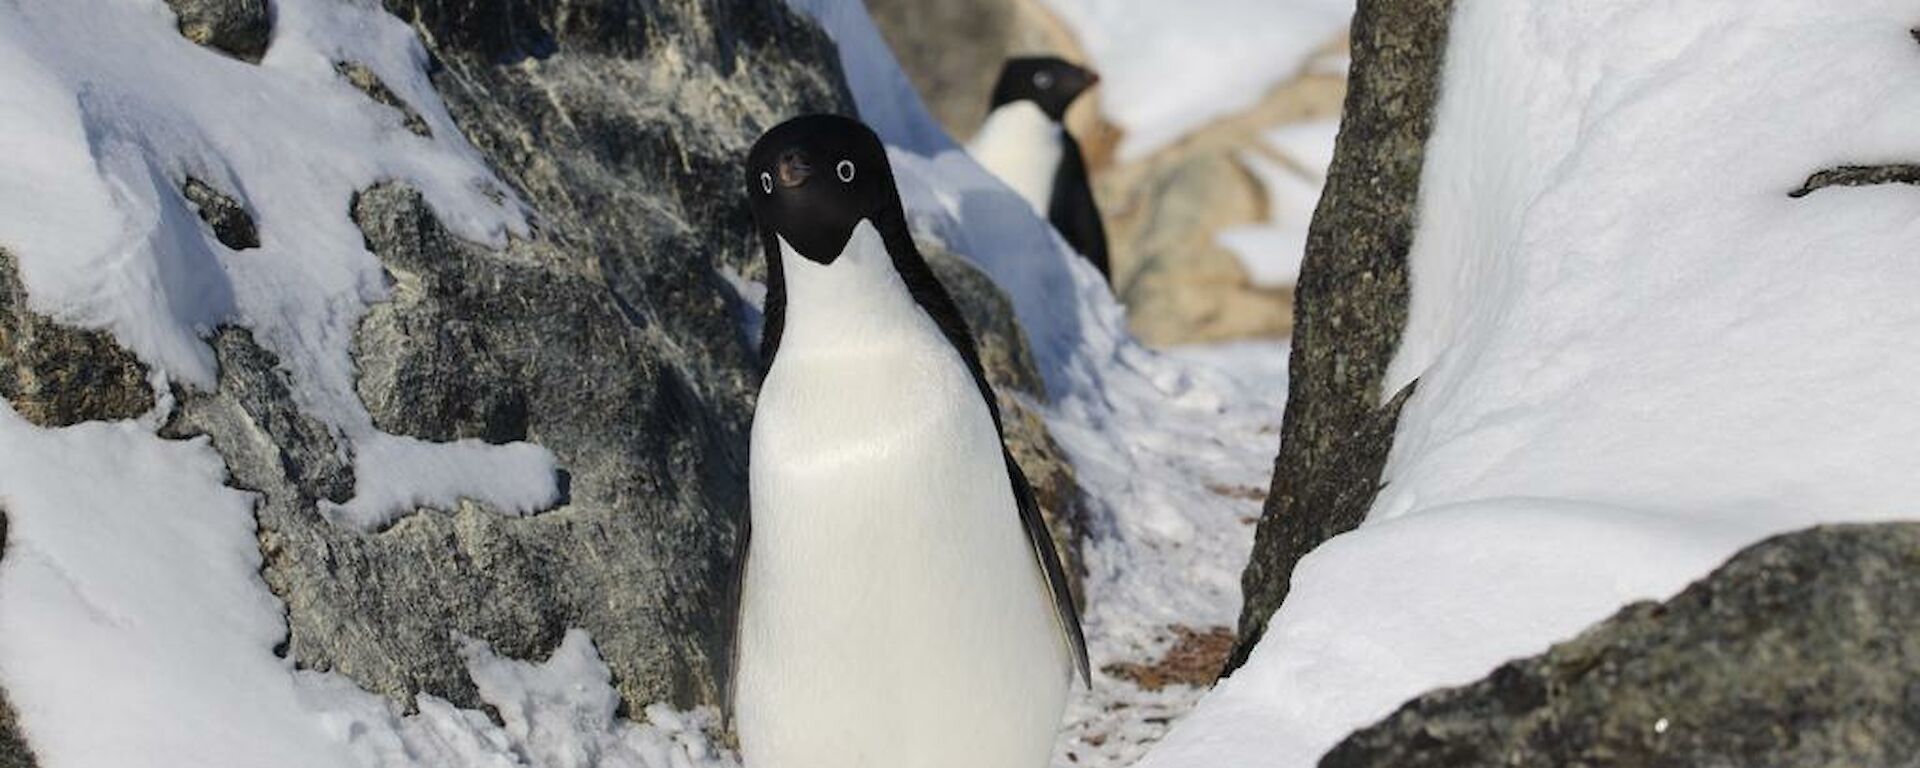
point(857, 302)
point(1020, 144)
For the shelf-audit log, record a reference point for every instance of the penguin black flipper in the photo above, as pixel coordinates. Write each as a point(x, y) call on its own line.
point(1071, 209)
point(933, 297)
point(1042, 541)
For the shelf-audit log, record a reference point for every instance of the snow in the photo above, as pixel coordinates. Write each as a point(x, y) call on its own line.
point(108, 109)
point(1636, 354)
point(1174, 450)
point(1167, 68)
point(1271, 252)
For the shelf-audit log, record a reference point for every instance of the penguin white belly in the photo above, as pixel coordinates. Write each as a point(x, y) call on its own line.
point(893, 614)
point(1022, 146)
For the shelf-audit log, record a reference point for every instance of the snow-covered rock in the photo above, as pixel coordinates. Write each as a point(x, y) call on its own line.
point(1799, 651)
point(1640, 344)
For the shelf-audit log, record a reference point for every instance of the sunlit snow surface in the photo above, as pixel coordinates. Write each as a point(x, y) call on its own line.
point(1170, 66)
point(1636, 353)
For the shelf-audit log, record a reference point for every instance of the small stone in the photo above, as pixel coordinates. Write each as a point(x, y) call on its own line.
point(232, 224)
point(241, 28)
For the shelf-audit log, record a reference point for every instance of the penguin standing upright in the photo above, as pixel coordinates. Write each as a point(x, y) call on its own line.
point(901, 601)
point(1024, 143)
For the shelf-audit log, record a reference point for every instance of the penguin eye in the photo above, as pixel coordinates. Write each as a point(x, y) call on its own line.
point(1043, 80)
point(766, 182)
point(845, 171)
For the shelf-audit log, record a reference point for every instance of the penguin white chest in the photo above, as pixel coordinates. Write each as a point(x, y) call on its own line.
point(893, 614)
point(1022, 146)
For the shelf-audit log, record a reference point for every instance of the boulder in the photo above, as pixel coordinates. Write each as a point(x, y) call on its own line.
point(606, 336)
point(1351, 302)
point(239, 28)
point(1803, 650)
point(56, 375)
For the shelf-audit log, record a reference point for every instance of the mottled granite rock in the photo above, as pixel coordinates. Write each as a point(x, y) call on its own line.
point(1351, 301)
point(55, 375)
point(240, 28)
point(1802, 651)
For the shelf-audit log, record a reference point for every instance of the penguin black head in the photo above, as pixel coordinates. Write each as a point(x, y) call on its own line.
point(1050, 83)
point(813, 178)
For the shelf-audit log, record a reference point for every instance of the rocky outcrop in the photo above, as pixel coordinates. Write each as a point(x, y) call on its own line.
point(240, 28)
point(55, 375)
point(1351, 302)
point(232, 225)
point(607, 336)
point(1803, 650)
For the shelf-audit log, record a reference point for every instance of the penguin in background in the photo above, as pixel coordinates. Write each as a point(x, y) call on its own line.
point(1024, 143)
point(901, 602)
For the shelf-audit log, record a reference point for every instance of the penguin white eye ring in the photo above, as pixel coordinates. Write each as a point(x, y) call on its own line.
point(844, 170)
point(766, 182)
point(1043, 79)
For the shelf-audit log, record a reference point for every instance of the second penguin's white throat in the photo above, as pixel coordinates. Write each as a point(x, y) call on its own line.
point(1022, 146)
point(859, 299)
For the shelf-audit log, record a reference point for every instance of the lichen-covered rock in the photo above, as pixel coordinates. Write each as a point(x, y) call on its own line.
point(1351, 302)
point(1802, 651)
point(241, 28)
point(55, 375)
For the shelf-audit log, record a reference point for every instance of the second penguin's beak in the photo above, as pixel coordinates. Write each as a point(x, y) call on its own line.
point(793, 168)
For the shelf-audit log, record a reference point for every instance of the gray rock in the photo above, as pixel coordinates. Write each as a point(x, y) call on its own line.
point(55, 375)
point(241, 28)
point(364, 80)
point(1351, 302)
point(1802, 651)
point(606, 337)
point(231, 223)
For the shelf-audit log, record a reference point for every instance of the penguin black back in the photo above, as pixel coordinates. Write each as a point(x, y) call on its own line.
point(1053, 84)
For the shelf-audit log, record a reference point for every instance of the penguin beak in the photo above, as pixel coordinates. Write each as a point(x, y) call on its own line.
point(793, 168)
point(1093, 78)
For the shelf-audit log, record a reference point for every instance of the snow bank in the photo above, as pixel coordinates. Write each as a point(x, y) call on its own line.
point(1636, 354)
point(1170, 67)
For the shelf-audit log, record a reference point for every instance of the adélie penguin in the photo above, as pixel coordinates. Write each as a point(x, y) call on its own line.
point(901, 603)
point(1024, 143)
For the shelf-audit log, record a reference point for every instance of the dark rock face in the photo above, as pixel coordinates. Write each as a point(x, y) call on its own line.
point(57, 376)
point(606, 337)
point(1351, 302)
point(241, 28)
point(1803, 650)
point(231, 223)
